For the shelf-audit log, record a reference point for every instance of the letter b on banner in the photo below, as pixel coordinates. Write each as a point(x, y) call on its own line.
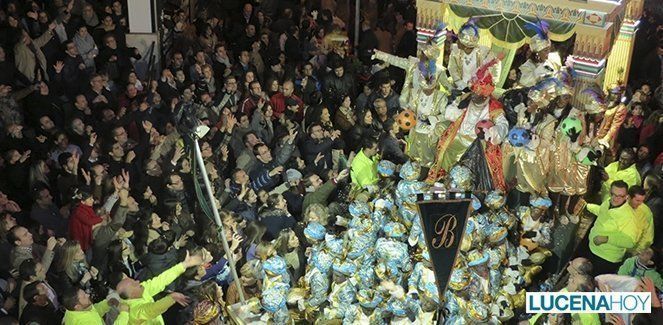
point(443, 223)
point(444, 230)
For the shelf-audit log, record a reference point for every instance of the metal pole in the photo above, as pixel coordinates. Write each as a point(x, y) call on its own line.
point(217, 219)
point(357, 22)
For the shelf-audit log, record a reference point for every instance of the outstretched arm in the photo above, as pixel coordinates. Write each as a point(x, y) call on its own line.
point(394, 60)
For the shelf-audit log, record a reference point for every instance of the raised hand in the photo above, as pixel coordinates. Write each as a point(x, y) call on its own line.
point(25, 155)
point(131, 155)
point(191, 261)
point(147, 125)
point(224, 152)
point(181, 299)
point(58, 66)
point(179, 152)
point(86, 176)
point(230, 123)
point(342, 175)
point(125, 176)
point(117, 183)
point(318, 157)
point(50, 243)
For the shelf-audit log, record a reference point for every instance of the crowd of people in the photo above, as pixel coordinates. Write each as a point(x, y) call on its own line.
point(316, 154)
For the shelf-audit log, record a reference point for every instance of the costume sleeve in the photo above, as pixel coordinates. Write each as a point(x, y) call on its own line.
point(501, 127)
point(455, 70)
point(159, 283)
point(527, 74)
point(452, 112)
point(151, 310)
point(617, 121)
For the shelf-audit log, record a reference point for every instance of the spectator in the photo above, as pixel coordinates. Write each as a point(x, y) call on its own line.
point(276, 216)
point(83, 220)
point(318, 192)
point(39, 308)
point(645, 264)
point(337, 85)
point(46, 213)
point(387, 94)
point(25, 248)
point(287, 102)
point(29, 58)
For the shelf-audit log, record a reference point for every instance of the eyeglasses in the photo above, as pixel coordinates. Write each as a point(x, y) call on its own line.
point(617, 195)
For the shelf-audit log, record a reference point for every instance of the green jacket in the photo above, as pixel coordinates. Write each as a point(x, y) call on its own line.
point(629, 268)
point(145, 310)
point(364, 170)
point(93, 316)
point(321, 195)
point(618, 225)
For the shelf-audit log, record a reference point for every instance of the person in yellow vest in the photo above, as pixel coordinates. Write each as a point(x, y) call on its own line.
point(81, 311)
point(139, 295)
point(622, 170)
point(364, 167)
point(614, 231)
point(643, 217)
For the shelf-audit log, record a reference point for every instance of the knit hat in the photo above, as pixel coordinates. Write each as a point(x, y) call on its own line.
point(293, 175)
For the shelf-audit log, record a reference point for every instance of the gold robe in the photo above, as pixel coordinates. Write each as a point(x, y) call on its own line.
point(426, 100)
point(613, 118)
point(456, 64)
point(533, 161)
point(567, 175)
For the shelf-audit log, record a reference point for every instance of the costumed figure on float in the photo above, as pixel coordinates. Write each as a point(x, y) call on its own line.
point(465, 113)
point(467, 56)
point(542, 64)
point(530, 143)
point(424, 95)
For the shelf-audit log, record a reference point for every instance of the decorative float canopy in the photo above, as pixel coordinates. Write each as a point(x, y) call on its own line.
point(599, 26)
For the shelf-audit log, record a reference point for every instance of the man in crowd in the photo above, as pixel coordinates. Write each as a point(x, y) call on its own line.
point(614, 231)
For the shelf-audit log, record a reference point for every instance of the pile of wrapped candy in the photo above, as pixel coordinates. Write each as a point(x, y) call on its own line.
point(377, 270)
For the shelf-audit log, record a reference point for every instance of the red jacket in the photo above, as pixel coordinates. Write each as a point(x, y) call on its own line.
point(278, 102)
point(80, 225)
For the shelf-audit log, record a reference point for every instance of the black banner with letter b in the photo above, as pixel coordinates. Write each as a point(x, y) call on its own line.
point(443, 223)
